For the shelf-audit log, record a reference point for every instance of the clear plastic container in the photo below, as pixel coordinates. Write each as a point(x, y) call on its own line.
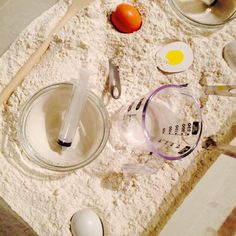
point(202, 15)
point(40, 123)
point(167, 122)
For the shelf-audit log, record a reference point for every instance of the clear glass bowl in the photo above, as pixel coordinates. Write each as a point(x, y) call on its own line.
point(40, 122)
point(199, 14)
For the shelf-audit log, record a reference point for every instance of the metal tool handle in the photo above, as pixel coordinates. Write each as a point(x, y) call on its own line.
point(221, 90)
point(229, 150)
point(114, 81)
point(115, 91)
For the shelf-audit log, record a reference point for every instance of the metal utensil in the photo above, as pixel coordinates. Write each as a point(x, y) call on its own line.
point(114, 81)
point(227, 149)
point(221, 90)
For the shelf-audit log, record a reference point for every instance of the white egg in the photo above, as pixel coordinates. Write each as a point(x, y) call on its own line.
point(229, 54)
point(174, 57)
point(86, 223)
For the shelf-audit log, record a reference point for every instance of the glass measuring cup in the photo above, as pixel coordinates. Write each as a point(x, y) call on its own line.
point(167, 122)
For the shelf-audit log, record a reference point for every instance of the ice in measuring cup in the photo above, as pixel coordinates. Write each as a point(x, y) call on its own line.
point(167, 122)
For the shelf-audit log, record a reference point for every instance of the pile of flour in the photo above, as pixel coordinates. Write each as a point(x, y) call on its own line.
point(127, 204)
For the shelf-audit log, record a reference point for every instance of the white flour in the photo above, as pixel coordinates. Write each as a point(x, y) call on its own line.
point(128, 205)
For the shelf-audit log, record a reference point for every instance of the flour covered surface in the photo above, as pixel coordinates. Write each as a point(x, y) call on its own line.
point(127, 204)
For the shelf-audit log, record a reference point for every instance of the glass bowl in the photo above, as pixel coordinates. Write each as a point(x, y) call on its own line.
point(199, 14)
point(40, 122)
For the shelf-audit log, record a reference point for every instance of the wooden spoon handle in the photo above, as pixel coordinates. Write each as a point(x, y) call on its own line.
point(35, 57)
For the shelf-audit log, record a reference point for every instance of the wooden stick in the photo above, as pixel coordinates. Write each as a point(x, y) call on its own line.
point(36, 56)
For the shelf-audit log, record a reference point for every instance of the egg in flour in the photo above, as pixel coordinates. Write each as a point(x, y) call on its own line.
point(86, 223)
point(174, 57)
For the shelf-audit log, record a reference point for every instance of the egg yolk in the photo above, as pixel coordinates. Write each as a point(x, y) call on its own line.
point(175, 57)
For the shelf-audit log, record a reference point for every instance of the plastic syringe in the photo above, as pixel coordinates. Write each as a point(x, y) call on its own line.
point(72, 114)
